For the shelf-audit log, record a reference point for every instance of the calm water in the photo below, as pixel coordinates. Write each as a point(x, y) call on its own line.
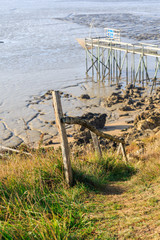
point(40, 52)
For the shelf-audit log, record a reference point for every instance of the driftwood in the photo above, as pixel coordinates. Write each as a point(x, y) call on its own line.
point(76, 120)
point(13, 150)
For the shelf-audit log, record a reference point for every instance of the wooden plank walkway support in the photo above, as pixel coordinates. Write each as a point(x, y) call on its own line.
point(128, 55)
point(63, 136)
point(96, 144)
point(121, 148)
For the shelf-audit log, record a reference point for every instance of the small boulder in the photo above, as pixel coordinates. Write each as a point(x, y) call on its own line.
point(126, 108)
point(96, 119)
point(85, 96)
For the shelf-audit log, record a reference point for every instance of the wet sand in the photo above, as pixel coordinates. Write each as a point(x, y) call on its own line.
point(41, 129)
point(133, 26)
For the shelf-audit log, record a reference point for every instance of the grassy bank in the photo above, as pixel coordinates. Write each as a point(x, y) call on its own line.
point(109, 200)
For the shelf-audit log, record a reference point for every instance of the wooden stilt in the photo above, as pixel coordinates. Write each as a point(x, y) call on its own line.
point(126, 65)
point(127, 53)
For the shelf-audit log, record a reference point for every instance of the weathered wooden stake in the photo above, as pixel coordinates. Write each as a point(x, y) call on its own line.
point(114, 64)
point(96, 144)
point(86, 61)
point(133, 65)
point(63, 136)
point(116, 68)
point(92, 61)
point(121, 148)
point(111, 63)
point(126, 65)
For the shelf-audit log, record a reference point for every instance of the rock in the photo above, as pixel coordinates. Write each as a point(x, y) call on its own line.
point(149, 100)
point(66, 95)
point(143, 125)
point(158, 90)
point(115, 94)
point(96, 119)
point(126, 108)
point(138, 104)
point(158, 134)
point(130, 121)
point(82, 137)
point(126, 96)
point(135, 90)
point(129, 101)
point(85, 96)
point(115, 98)
point(124, 115)
point(130, 86)
point(148, 120)
point(150, 107)
point(136, 95)
point(157, 129)
point(140, 88)
point(118, 87)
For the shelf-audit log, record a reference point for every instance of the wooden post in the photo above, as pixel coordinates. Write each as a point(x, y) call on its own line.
point(96, 144)
point(120, 62)
point(133, 66)
point(143, 66)
point(63, 136)
point(140, 71)
point(111, 56)
point(92, 61)
point(114, 64)
point(146, 70)
point(103, 63)
point(86, 62)
point(109, 69)
point(122, 148)
point(127, 65)
point(117, 68)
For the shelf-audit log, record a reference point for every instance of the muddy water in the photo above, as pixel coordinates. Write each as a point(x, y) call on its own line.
point(39, 52)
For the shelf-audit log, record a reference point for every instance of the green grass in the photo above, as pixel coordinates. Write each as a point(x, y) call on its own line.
point(36, 203)
point(109, 199)
point(98, 172)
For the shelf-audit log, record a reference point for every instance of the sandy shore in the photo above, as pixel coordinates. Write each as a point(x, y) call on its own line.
point(40, 126)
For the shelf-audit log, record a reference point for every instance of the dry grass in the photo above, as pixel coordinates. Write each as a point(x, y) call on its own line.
point(108, 201)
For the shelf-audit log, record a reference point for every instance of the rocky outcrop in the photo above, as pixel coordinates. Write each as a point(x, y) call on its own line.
point(96, 119)
point(146, 124)
point(130, 96)
point(148, 120)
point(83, 135)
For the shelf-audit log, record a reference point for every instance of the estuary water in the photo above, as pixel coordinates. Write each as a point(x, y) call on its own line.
point(39, 50)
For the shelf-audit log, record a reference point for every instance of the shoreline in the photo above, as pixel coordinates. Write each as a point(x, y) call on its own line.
point(41, 126)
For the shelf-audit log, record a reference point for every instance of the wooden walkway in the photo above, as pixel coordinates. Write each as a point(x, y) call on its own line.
point(110, 59)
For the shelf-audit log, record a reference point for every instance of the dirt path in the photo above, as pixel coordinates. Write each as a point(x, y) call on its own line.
point(125, 211)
